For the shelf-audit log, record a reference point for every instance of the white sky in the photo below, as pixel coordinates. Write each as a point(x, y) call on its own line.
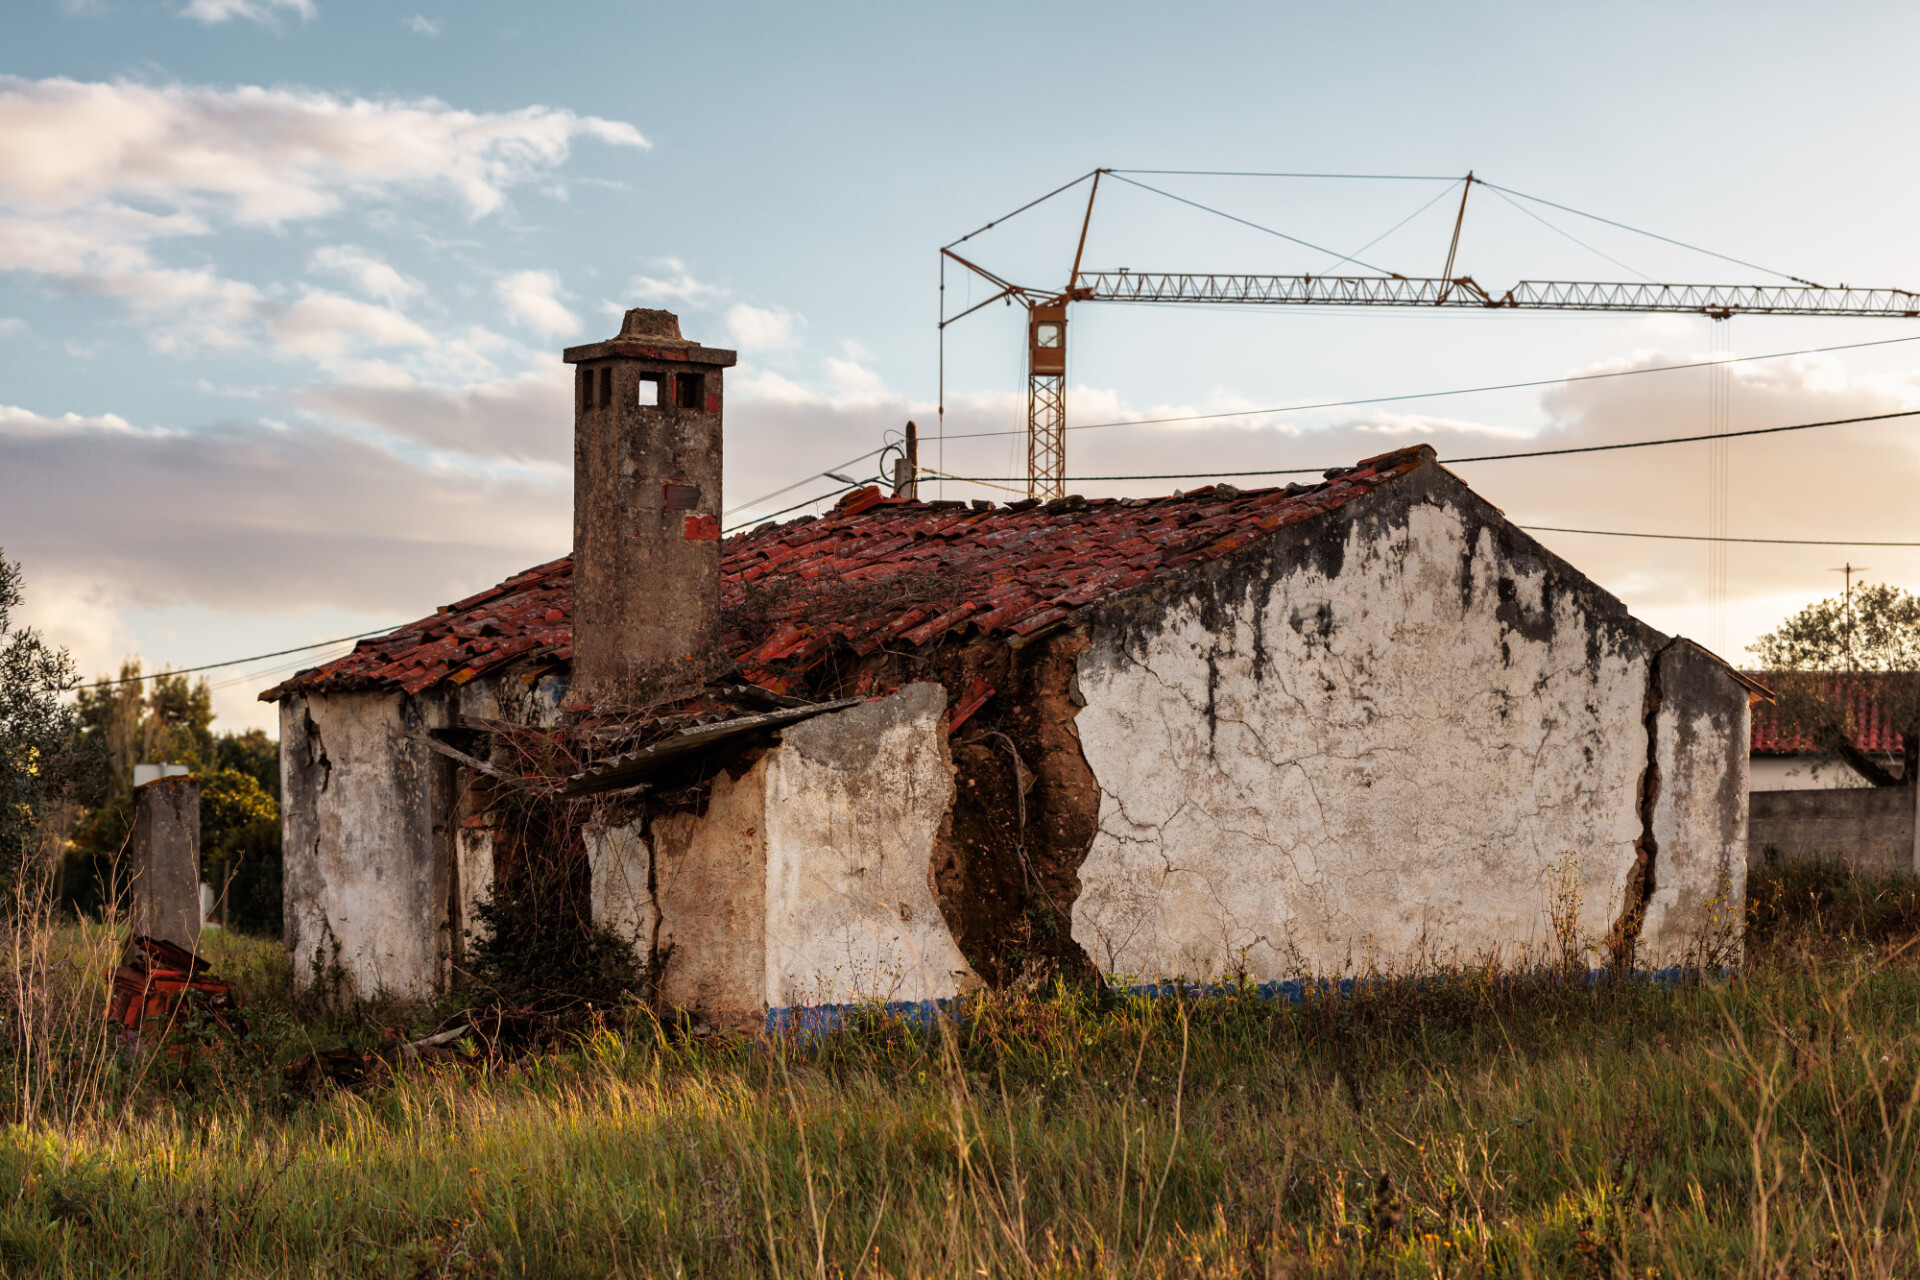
point(283, 283)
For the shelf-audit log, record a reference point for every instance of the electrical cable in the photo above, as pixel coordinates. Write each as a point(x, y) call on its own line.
point(1221, 213)
point(1457, 391)
point(1701, 537)
point(1581, 213)
point(818, 475)
point(234, 662)
point(1485, 457)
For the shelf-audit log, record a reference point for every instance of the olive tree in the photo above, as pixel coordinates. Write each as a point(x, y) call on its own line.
point(1815, 656)
point(39, 758)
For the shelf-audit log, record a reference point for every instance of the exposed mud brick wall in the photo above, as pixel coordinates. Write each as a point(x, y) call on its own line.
point(710, 884)
point(368, 839)
point(1374, 739)
point(1871, 829)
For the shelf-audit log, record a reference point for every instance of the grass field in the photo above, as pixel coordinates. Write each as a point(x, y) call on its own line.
point(1472, 1123)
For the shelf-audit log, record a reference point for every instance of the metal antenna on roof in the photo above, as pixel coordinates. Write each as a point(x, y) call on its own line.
point(1846, 627)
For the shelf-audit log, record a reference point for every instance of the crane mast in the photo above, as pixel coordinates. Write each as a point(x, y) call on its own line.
point(1047, 312)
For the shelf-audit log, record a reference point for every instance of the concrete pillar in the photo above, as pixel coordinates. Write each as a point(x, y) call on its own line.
point(166, 860)
point(646, 506)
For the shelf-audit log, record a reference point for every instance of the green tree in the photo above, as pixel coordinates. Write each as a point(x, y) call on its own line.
point(1818, 655)
point(39, 757)
point(129, 719)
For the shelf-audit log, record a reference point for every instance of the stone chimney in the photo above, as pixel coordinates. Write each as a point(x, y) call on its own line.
point(646, 506)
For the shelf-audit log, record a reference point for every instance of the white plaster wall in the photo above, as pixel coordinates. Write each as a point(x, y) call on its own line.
point(364, 868)
point(473, 871)
point(619, 865)
point(1698, 907)
point(1403, 777)
point(855, 801)
point(1802, 773)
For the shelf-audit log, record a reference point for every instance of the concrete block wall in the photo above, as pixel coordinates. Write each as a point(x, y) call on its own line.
point(1871, 829)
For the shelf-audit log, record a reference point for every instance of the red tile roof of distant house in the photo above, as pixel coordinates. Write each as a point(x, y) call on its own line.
point(875, 570)
point(1873, 732)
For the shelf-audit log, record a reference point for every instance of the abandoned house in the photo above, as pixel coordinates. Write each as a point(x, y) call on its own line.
point(910, 747)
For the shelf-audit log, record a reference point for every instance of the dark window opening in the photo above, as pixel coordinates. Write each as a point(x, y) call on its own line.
point(583, 381)
point(650, 397)
point(606, 387)
point(687, 388)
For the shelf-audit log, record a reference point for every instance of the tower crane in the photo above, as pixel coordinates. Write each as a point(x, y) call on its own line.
point(1047, 308)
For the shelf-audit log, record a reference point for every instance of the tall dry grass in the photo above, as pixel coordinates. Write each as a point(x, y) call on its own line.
point(1475, 1123)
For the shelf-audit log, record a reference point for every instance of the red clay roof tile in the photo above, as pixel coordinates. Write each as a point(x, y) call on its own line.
point(874, 569)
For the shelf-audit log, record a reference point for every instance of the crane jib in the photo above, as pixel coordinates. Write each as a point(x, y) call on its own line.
point(1527, 295)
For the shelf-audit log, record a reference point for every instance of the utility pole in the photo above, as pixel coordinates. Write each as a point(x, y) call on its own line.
point(906, 468)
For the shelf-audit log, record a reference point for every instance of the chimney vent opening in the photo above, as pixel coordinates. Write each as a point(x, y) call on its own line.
point(649, 396)
point(606, 386)
point(687, 388)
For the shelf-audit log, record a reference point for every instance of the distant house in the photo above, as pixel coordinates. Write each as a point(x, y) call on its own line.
point(1359, 723)
point(1784, 759)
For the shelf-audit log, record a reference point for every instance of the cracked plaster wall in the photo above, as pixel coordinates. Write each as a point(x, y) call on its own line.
point(855, 804)
point(374, 836)
point(1380, 738)
point(1700, 740)
point(367, 841)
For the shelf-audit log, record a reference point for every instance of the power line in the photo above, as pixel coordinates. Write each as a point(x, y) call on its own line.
point(1457, 391)
point(748, 524)
point(818, 475)
point(234, 662)
point(1702, 537)
point(1488, 457)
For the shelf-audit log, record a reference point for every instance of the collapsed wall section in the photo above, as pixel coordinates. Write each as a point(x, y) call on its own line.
point(1396, 734)
point(805, 877)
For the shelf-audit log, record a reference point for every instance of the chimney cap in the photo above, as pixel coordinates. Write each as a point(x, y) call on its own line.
point(643, 323)
point(650, 334)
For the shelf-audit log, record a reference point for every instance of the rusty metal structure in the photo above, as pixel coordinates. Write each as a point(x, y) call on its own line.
point(1047, 308)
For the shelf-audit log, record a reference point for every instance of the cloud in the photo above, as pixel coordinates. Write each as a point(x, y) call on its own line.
point(213, 12)
point(12, 326)
point(528, 419)
point(96, 178)
point(759, 329)
point(253, 517)
point(365, 272)
point(530, 297)
point(675, 286)
point(421, 25)
point(326, 325)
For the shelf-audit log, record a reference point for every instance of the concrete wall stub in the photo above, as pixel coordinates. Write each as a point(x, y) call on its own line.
point(369, 832)
point(646, 506)
point(855, 804)
point(1698, 822)
point(166, 860)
